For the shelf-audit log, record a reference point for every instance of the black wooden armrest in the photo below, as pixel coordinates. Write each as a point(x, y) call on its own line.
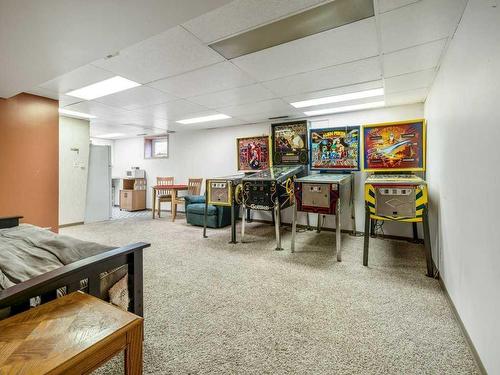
point(90, 268)
point(9, 221)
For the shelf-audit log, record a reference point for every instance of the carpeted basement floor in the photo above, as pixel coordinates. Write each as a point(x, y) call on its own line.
point(216, 308)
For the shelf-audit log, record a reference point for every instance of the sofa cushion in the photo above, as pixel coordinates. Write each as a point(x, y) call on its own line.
point(194, 199)
point(199, 209)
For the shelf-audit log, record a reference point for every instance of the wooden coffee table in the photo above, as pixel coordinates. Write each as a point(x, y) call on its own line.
point(74, 334)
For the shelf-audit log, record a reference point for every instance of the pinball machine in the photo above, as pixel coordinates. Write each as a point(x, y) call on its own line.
point(272, 189)
point(223, 191)
point(253, 155)
point(394, 153)
point(334, 153)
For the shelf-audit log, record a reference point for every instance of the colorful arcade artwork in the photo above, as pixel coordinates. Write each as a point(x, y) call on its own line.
point(335, 149)
point(290, 143)
point(253, 153)
point(397, 146)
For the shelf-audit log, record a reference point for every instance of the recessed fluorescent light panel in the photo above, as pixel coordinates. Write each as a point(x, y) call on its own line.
point(339, 98)
point(103, 88)
point(197, 120)
point(69, 113)
point(110, 135)
point(347, 108)
point(316, 20)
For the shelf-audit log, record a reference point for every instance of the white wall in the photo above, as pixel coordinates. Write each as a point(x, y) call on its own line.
point(212, 153)
point(73, 169)
point(463, 174)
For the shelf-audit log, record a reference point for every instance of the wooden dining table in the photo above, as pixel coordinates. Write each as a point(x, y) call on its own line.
point(175, 189)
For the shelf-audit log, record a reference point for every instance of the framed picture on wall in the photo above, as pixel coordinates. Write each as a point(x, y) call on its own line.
point(290, 143)
point(334, 149)
point(253, 153)
point(394, 146)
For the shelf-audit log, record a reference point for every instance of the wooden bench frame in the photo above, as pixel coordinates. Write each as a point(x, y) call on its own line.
point(69, 276)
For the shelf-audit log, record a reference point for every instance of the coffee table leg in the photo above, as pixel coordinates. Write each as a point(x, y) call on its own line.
point(133, 351)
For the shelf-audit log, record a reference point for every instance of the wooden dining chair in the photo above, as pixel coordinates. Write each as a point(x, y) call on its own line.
point(194, 188)
point(164, 195)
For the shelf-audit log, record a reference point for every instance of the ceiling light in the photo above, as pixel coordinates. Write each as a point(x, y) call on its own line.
point(103, 88)
point(109, 135)
point(313, 21)
point(203, 119)
point(339, 98)
point(347, 108)
point(69, 113)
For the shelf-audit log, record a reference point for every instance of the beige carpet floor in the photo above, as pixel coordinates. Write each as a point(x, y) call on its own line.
point(216, 308)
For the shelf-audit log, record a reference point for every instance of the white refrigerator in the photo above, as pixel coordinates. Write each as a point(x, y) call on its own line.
point(98, 205)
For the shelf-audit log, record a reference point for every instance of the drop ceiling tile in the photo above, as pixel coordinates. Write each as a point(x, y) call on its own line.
point(374, 99)
point(100, 128)
point(137, 97)
point(265, 106)
point(172, 52)
point(410, 81)
point(388, 5)
point(208, 125)
point(336, 91)
point(407, 97)
point(78, 78)
point(175, 118)
point(100, 110)
point(351, 42)
point(171, 110)
point(144, 120)
point(254, 118)
point(424, 56)
point(217, 77)
point(421, 22)
point(65, 100)
point(39, 91)
point(232, 97)
point(242, 15)
point(327, 78)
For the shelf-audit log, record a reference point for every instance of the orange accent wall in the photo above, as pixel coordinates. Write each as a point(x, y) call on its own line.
point(29, 159)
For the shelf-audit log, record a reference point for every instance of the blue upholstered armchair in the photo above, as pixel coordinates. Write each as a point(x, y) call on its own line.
point(217, 216)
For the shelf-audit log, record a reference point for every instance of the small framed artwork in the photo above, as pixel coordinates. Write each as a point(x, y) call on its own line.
point(394, 146)
point(334, 149)
point(253, 153)
point(290, 143)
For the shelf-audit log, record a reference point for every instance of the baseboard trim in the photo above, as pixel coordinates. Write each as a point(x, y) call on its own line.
point(360, 234)
point(473, 350)
point(71, 224)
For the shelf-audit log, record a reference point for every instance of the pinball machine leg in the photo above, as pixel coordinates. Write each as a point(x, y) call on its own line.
point(308, 221)
point(353, 208)
point(294, 228)
point(318, 229)
point(415, 232)
point(205, 219)
point(373, 223)
point(243, 219)
point(233, 224)
point(277, 226)
point(353, 216)
point(367, 235)
point(427, 243)
point(338, 232)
